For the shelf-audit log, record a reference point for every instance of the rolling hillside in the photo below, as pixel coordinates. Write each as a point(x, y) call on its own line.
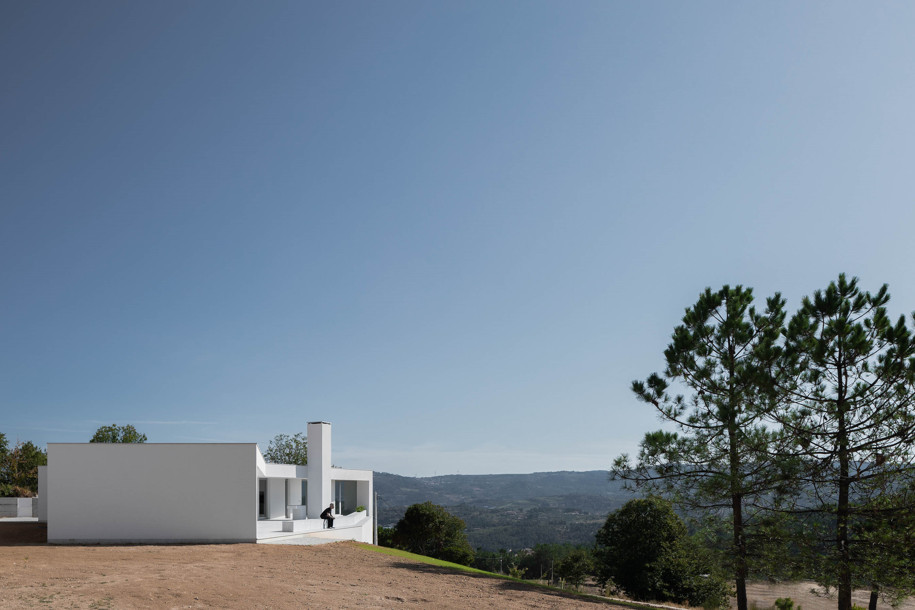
point(510, 511)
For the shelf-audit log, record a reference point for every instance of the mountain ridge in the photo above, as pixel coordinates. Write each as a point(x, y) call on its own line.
point(510, 510)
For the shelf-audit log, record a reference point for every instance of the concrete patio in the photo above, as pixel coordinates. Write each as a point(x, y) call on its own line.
point(312, 531)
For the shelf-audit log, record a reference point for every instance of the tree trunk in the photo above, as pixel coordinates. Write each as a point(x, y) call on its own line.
point(844, 584)
point(842, 545)
point(873, 603)
point(740, 553)
point(736, 487)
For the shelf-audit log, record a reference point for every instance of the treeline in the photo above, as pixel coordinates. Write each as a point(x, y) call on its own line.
point(429, 529)
point(492, 529)
point(19, 468)
point(19, 464)
point(551, 563)
point(513, 527)
point(792, 438)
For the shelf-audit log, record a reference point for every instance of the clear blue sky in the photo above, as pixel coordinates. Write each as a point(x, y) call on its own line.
point(455, 230)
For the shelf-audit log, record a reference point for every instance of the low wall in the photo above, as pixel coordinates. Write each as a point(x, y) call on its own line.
point(18, 507)
point(346, 529)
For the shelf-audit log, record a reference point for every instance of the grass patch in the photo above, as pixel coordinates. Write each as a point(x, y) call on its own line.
point(462, 568)
point(429, 560)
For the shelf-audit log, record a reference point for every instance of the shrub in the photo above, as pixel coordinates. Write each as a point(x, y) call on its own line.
point(644, 549)
point(386, 536)
point(575, 567)
point(785, 603)
point(428, 529)
point(19, 468)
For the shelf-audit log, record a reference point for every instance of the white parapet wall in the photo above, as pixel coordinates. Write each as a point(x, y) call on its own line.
point(151, 492)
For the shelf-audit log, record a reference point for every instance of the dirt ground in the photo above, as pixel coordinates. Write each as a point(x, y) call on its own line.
point(338, 575)
point(809, 597)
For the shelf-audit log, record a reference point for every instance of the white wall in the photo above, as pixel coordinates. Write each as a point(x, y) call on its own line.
point(150, 492)
point(43, 494)
point(349, 474)
point(286, 471)
point(294, 491)
point(364, 496)
point(276, 498)
point(349, 527)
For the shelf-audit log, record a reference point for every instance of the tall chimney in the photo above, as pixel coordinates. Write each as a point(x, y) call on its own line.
point(320, 488)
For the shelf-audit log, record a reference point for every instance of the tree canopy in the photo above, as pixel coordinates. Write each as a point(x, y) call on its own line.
point(643, 548)
point(575, 567)
point(117, 434)
point(801, 433)
point(720, 354)
point(285, 449)
point(428, 529)
point(19, 468)
point(847, 398)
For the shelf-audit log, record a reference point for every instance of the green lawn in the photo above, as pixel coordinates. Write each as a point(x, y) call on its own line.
point(456, 566)
point(430, 560)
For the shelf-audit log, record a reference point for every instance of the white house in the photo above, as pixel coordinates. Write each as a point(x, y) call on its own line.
point(198, 492)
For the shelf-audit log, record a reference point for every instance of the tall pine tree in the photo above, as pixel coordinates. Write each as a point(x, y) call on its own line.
point(847, 388)
point(718, 460)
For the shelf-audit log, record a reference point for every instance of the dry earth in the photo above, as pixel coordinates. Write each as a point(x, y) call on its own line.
point(339, 575)
point(809, 597)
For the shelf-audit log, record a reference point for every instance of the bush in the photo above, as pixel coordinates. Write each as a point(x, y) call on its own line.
point(428, 529)
point(786, 603)
point(386, 537)
point(19, 468)
point(644, 549)
point(575, 567)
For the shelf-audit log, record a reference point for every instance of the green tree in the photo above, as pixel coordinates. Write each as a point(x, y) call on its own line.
point(386, 536)
point(4, 451)
point(575, 567)
point(428, 529)
point(542, 560)
point(285, 449)
point(117, 434)
point(19, 468)
point(643, 548)
point(720, 355)
point(847, 383)
point(886, 545)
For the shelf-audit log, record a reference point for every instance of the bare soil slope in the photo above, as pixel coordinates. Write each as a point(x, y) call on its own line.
point(810, 597)
point(339, 575)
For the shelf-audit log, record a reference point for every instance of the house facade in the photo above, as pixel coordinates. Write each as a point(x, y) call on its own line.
point(118, 493)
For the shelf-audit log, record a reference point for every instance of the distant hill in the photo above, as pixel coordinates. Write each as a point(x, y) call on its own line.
point(510, 510)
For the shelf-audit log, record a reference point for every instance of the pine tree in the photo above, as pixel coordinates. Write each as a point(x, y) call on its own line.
point(847, 385)
point(718, 460)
